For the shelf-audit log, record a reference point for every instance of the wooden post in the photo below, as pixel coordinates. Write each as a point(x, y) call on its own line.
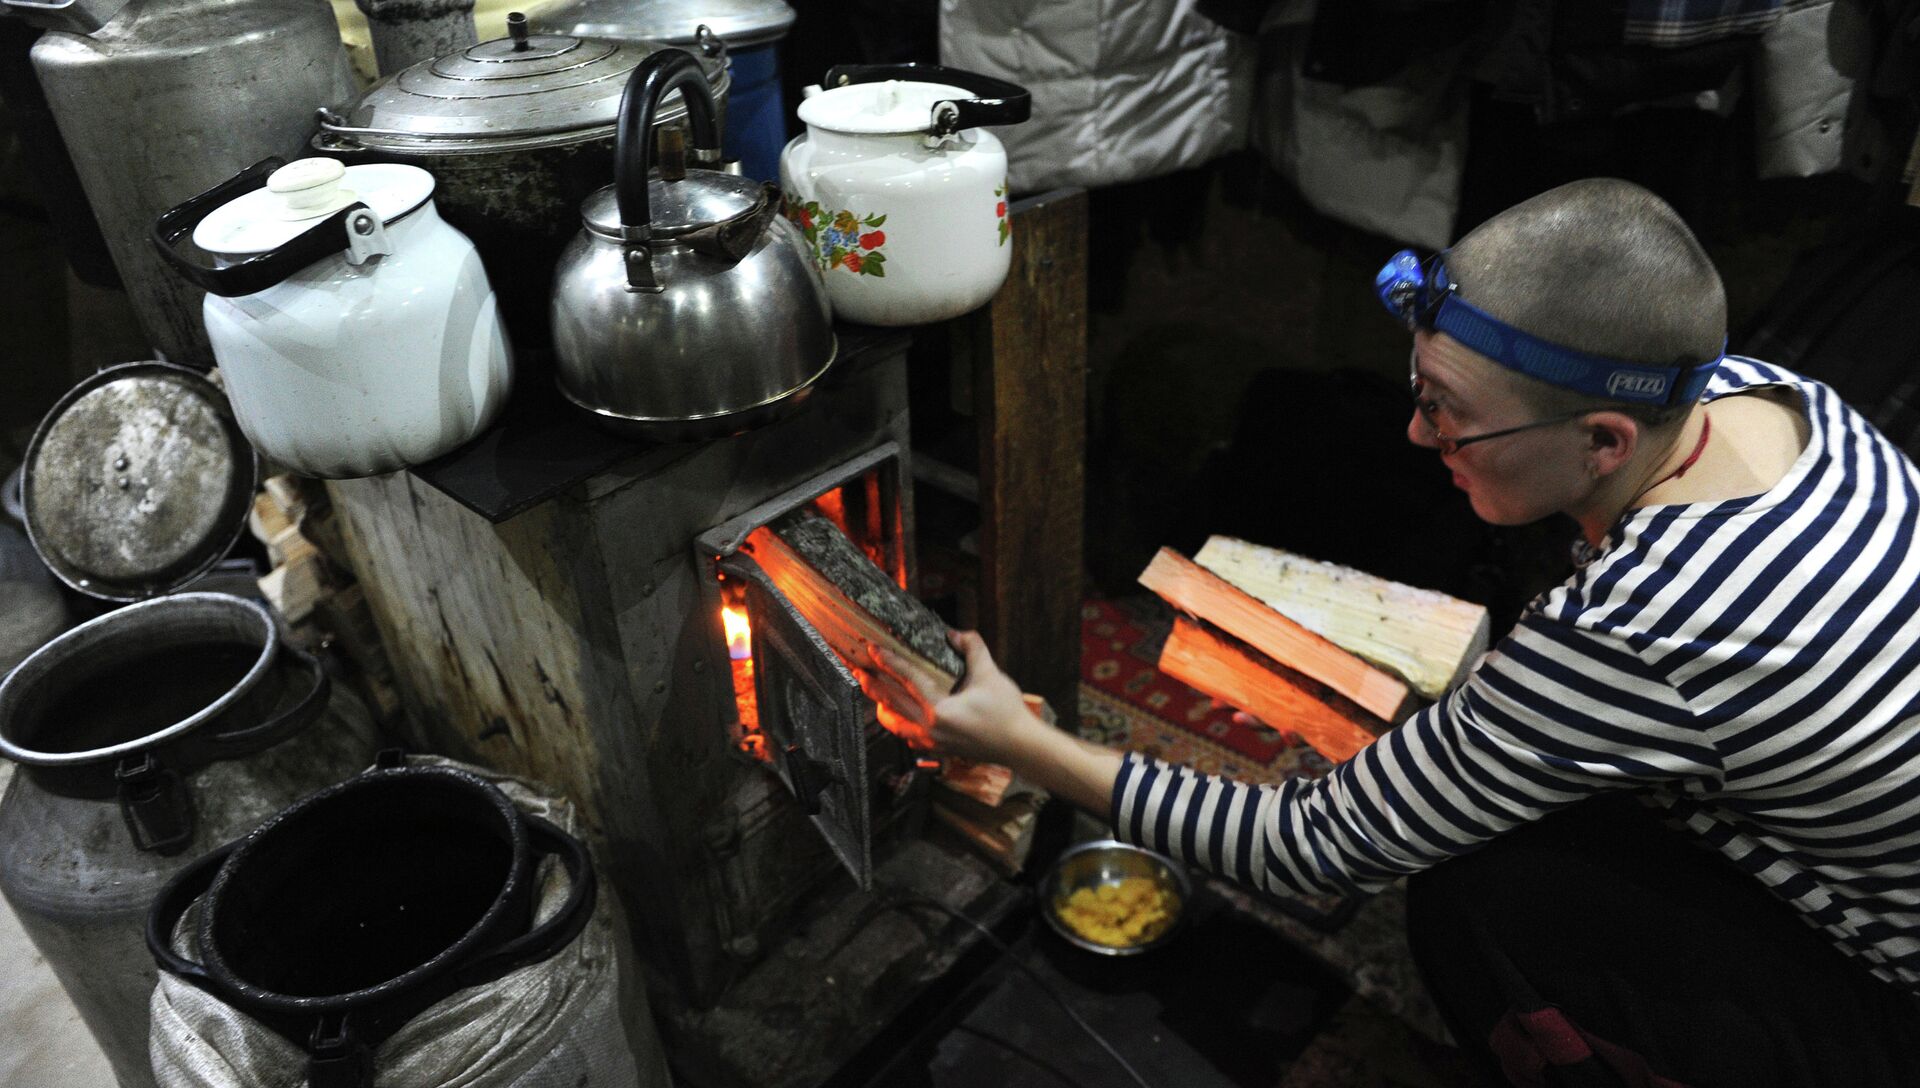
point(1030, 397)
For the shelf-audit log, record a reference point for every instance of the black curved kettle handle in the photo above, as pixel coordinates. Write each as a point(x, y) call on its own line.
point(1000, 102)
point(661, 72)
point(164, 916)
point(257, 273)
point(550, 936)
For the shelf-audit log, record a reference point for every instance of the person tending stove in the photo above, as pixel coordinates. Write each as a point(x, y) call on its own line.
point(1735, 656)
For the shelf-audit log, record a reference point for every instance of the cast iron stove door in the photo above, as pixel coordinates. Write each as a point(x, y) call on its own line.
point(814, 717)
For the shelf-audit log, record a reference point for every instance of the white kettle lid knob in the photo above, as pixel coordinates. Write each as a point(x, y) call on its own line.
point(310, 188)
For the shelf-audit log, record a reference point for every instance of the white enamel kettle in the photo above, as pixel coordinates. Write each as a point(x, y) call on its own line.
point(901, 194)
point(355, 329)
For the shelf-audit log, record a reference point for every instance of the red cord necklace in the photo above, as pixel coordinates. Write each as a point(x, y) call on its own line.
point(1706, 428)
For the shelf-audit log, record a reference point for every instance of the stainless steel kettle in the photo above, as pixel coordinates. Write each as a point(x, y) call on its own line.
point(688, 307)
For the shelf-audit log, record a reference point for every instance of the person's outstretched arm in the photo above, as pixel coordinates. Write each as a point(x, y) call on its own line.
point(1525, 735)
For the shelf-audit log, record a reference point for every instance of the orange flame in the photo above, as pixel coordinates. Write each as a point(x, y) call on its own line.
point(739, 635)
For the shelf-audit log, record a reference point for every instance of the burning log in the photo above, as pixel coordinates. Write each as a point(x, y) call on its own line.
point(1228, 669)
point(853, 604)
point(1197, 591)
point(1428, 639)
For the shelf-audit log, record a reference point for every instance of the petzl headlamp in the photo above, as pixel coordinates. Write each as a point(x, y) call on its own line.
point(1425, 297)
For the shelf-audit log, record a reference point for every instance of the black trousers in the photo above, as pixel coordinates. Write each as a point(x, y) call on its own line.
point(1599, 947)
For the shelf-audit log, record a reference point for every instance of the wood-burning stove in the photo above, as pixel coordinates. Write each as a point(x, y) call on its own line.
point(581, 641)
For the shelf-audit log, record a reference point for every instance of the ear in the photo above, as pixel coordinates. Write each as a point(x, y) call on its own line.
point(1612, 439)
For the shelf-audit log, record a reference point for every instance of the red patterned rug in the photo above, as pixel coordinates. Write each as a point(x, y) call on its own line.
point(1126, 702)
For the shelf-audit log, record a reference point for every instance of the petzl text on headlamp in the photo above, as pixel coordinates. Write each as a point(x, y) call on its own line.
point(1424, 296)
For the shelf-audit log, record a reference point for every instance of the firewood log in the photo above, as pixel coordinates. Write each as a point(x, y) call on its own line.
point(1197, 591)
point(1428, 639)
point(1207, 658)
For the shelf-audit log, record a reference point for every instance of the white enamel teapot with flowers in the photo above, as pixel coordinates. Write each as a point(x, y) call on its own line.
point(902, 195)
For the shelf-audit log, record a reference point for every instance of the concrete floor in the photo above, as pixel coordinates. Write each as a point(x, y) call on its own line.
point(43, 1044)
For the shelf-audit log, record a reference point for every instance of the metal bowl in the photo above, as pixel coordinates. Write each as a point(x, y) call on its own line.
point(1109, 861)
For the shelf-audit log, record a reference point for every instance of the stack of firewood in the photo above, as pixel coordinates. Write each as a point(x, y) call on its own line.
point(322, 604)
point(1330, 653)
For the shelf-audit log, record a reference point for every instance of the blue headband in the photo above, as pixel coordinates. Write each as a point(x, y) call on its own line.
point(1428, 298)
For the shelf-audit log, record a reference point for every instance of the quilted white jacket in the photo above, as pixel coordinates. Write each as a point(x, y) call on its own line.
point(1122, 89)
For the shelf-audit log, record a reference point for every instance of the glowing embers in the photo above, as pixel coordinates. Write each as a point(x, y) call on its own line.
point(733, 615)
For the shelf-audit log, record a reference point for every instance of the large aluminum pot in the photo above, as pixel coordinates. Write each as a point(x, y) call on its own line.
point(688, 308)
point(516, 132)
point(145, 738)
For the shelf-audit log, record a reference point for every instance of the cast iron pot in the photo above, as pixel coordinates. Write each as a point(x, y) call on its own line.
point(351, 912)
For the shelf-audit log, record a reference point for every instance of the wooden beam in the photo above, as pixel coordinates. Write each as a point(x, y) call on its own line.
point(1428, 639)
point(1243, 677)
point(1029, 389)
point(1193, 589)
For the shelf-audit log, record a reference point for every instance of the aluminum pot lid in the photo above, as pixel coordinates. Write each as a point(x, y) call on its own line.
point(137, 481)
point(889, 108)
point(741, 24)
point(304, 192)
point(497, 96)
point(701, 199)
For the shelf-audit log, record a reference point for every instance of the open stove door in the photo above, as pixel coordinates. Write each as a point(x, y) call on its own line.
point(814, 717)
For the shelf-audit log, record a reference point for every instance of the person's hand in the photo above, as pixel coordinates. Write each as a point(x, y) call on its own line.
point(983, 718)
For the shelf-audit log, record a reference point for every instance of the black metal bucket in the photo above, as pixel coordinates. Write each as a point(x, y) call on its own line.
point(346, 915)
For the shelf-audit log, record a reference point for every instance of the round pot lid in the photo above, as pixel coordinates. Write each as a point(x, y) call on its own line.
point(498, 96)
point(304, 192)
point(701, 199)
point(137, 481)
point(742, 24)
point(889, 108)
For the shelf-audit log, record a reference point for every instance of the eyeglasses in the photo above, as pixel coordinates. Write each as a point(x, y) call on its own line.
point(1425, 407)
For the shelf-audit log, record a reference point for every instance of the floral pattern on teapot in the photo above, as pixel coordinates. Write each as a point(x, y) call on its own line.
point(841, 239)
point(1000, 211)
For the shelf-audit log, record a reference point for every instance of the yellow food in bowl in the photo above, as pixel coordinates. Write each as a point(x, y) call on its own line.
point(1134, 911)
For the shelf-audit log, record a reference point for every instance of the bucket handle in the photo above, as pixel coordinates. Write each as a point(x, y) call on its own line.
point(255, 738)
point(550, 936)
point(255, 274)
point(170, 905)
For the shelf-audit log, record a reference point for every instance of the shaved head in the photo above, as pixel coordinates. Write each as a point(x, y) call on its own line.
point(1602, 266)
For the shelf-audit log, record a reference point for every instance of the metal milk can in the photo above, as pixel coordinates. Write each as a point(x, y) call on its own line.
point(157, 100)
point(145, 738)
point(150, 735)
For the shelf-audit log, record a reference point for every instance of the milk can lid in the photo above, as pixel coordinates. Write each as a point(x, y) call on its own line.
point(301, 194)
point(137, 482)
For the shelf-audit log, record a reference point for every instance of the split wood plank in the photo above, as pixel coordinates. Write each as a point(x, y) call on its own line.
point(1428, 639)
point(1237, 674)
point(1193, 589)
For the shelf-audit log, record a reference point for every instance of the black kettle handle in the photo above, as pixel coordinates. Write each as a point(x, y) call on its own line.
point(164, 916)
point(1000, 102)
point(550, 936)
point(257, 273)
point(661, 72)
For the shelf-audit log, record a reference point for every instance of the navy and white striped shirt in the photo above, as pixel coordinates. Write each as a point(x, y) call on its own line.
point(1753, 664)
